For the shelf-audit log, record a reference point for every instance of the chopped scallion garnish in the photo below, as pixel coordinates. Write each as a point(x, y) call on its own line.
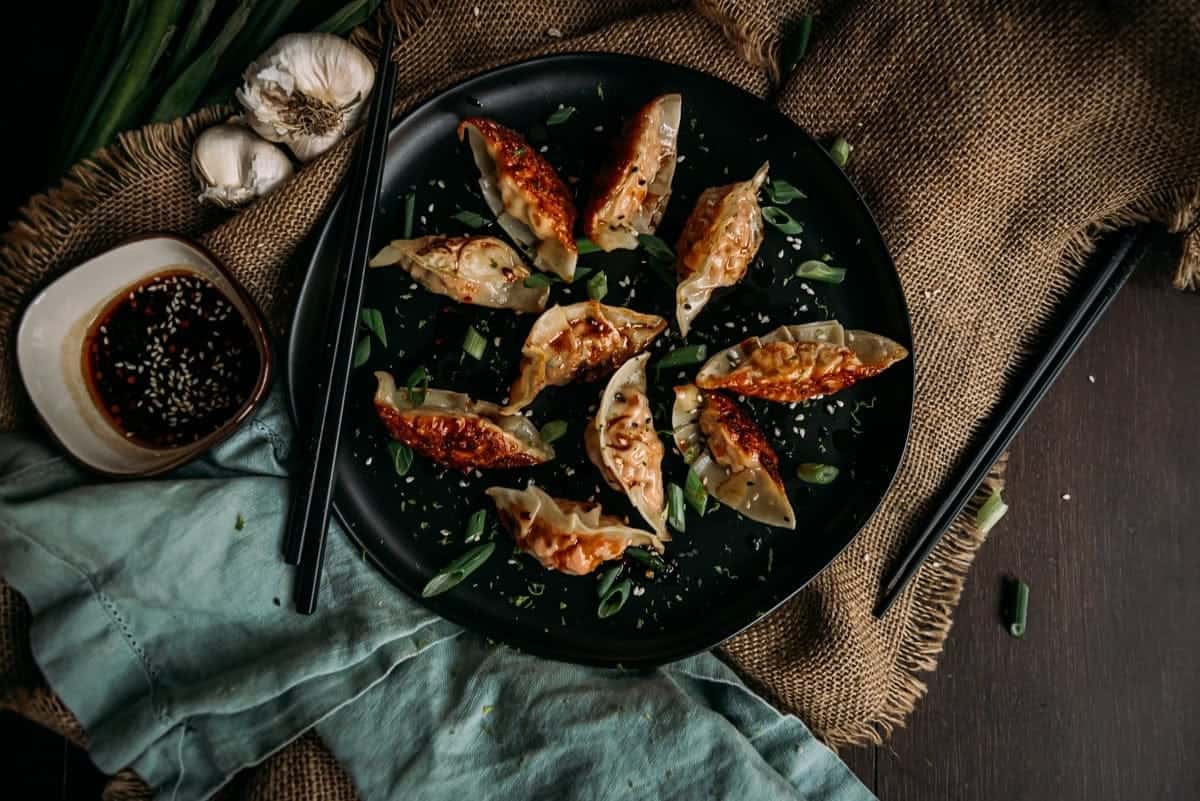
point(474, 344)
point(561, 115)
point(795, 43)
point(539, 280)
point(615, 599)
point(780, 191)
point(815, 270)
point(600, 90)
point(475, 524)
point(373, 320)
point(410, 208)
point(416, 384)
point(1017, 607)
point(683, 357)
point(585, 246)
point(694, 493)
point(647, 558)
point(814, 473)
point(990, 512)
point(656, 248)
point(781, 220)
point(597, 286)
point(581, 273)
point(450, 575)
point(362, 351)
point(470, 219)
point(675, 507)
point(402, 457)
point(840, 150)
point(553, 430)
point(607, 579)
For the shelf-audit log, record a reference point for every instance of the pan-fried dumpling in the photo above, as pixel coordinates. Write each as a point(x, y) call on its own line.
point(530, 201)
point(731, 455)
point(797, 362)
point(631, 192)
point(583, 341)
point(622, 442)
point(569, 536)
point(719, 240)
point(480, 270)
point(451, 429)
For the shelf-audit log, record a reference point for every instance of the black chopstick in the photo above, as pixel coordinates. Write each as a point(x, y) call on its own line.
point(1099, 294)
point(308, 517)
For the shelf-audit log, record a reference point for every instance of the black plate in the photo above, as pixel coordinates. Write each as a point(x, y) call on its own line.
point(726, 571)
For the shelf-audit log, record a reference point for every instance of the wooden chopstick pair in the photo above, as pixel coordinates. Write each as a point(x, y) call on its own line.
point(312, 490)
point(1099, 294)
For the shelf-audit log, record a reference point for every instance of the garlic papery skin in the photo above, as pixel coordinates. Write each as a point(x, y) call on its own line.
point(306, 91)
point(235, 166)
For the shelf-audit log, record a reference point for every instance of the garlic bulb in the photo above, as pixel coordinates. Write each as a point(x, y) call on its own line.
point(234, 166)
point(306, 91)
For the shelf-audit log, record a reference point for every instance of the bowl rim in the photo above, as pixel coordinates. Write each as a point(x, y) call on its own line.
point(253, 317)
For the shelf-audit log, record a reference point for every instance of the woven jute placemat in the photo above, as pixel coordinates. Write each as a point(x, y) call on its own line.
point(993, 144)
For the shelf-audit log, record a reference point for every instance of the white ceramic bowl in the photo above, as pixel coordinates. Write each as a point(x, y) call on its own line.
point(53, 332)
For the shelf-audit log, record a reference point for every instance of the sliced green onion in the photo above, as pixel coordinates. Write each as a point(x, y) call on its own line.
point(539, 280)
point(362, 351)
point(239, 523)
point(410, 208)
point(795, 43)
point(814, 473)
point(470, 219)
point(815, 270)
point(586, 246)
point(600, 90)
point(647, 558)
point(615, 599)
point(683, 357)
point(781, 220)
point(553, 430)
point(373, 320)
point(1017, 607)
point(656, 248)
point(607, 579)
point(990, 512)
point(581, 273)
point(840, 150)
point(450, 575)
point(597, 286)
point(474, 344)
point(475, 524)
point(694, 493)
point(417, 383)
point(780, 191)
point(402, 457)
point(561, 115)
point(675, 511)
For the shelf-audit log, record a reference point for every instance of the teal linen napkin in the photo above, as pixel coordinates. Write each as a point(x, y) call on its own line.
point(167, 628)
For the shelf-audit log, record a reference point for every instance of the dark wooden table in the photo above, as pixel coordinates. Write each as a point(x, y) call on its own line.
point(1100, 701)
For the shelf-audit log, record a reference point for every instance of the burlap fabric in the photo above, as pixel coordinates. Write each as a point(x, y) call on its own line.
point(993, 144)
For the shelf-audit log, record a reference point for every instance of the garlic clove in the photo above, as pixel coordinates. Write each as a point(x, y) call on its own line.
point(234, 166)
point(306, 91)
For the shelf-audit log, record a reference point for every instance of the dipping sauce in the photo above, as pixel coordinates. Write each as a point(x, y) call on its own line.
point(171, 360)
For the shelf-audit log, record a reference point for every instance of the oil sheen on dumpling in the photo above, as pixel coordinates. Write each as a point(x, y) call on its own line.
point(797, 362)
point(731, 455)
point(451, 429)
point(719, 240)
point(623, 443)
point(631, 193)
point(584, 341)
point(569, 536)
point(530, 201)
point(480, 270)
